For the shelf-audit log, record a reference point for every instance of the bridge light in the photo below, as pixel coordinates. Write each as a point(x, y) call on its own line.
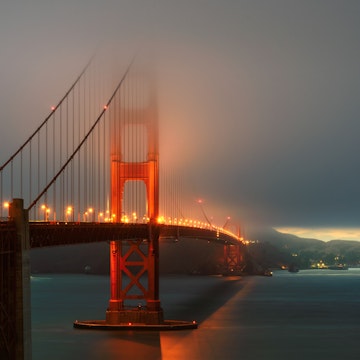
point(46, 212)
point(100, 215)
point(69, 211)
point(134, 215)
point(105, 107)
point(6, 205)
point(91, 212)
point(161, 220)
point(53, 108)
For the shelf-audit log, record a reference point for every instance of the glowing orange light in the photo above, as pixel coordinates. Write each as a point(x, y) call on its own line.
point(161, 220)
point(53, 108)
point(6, 204)
point(105, 107)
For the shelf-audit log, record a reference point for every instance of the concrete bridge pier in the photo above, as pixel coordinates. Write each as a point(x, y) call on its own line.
point(141, 258)
point(19, 271)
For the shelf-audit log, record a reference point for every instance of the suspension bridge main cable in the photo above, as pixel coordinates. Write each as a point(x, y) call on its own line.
point(48, 117)
point(83, 140)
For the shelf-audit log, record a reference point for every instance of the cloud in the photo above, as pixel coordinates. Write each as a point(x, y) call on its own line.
point(259, 100)
point(325, 234)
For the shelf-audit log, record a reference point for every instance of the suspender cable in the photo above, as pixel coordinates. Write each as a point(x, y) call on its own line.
point(12, 179)
point(60, 162)
point(21, 174)
point(49, 116)
point(83, 140)
point(38, 163)
point(67, 152)
point(79, 157)
point(72, 163)
point(1, 194)
point(106, 136)
point(30, 171)
point(46, 153)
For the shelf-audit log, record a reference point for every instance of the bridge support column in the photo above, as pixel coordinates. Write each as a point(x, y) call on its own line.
point(233, 259)
point(21, 269)
point(134, 277)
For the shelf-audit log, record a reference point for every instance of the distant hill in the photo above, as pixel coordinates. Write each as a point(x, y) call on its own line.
point(273, 249)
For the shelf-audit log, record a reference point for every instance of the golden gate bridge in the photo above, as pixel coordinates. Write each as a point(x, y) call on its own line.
point(90, 173)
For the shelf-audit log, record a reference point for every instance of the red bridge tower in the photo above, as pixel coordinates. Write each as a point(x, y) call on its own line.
point(134, 264)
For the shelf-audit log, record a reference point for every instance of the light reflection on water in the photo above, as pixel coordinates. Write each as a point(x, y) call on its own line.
point(310, 314)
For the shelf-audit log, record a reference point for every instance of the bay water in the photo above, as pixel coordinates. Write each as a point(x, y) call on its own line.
point(312, 314)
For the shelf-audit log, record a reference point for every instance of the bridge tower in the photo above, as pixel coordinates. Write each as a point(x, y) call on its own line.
point(15, 317)
point(134, 264)
point(234, 261)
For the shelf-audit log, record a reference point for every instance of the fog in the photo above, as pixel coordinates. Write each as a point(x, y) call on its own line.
point(258, 100)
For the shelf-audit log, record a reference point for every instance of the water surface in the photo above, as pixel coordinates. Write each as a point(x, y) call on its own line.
point(313, 314)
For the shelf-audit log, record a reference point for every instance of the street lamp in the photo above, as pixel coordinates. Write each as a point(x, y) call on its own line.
point(100, 215)
point(134, 217)
point(6, 206)
point(91, 211)
point(46, 212)
point(68, 213)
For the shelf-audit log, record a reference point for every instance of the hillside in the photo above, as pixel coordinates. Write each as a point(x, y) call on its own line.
point(273, 249)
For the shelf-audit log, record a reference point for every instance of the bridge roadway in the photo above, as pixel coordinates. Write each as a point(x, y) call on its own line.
point(43, 234)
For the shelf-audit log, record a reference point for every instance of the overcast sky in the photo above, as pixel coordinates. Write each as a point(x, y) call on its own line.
point(259, 100)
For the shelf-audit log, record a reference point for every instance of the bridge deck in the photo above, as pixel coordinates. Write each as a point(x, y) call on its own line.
point(60, 233)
